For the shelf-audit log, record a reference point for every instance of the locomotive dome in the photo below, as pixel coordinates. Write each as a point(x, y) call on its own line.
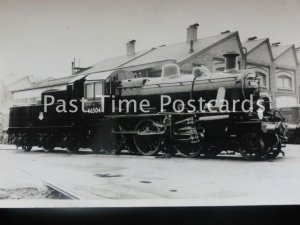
point(200, 71)
point(170, 70)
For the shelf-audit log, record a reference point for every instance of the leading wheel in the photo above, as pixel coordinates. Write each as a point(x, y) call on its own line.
point(251, 146)
point(188, 150)
point(273, 151)
point(212, 149)
point(148, 138)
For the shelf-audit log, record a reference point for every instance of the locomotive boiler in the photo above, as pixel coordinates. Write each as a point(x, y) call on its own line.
point(176, 113)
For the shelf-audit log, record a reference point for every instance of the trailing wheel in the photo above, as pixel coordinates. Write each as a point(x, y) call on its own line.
point(94, 142)
point(148, 138)
point(95, 148)
point(49, 147)
point(73, 144)
point(101, 141)
point(251, 146)
point(26, 147)
point(49, 144)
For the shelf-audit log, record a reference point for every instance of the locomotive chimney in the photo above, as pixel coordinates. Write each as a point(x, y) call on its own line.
point(230, 61)
point(130, 48)
point(191, 34)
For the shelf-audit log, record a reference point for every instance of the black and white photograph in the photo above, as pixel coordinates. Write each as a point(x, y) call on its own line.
point(139, 103)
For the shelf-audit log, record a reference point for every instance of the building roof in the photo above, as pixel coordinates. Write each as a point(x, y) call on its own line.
point(253, 44)
point(298, 54)
point(50, 83)
point(12, 79)
point(53, 82)
point(179, 51)
point(279, 50)
point(112, 63)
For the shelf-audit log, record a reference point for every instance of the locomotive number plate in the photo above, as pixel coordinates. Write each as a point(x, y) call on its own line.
point(94, 110)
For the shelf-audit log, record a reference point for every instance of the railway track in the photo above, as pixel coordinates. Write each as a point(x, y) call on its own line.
point(62, 193)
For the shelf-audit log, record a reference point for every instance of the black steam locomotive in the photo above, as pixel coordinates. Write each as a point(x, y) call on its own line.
point(187, 114)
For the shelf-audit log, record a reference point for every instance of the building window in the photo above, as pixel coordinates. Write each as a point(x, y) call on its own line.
point(284, 82)
point(220, 69)
point(219, 65)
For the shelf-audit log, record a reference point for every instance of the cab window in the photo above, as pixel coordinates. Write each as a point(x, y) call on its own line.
point(89, 93)
point(98, 89)
point(93, 90)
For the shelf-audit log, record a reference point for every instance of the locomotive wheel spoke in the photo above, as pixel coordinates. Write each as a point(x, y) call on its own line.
point(118, 139)
point(130, 146)
point(147, 144)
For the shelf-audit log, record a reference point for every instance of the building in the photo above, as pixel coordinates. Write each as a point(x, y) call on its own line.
point(276, 66)
point(32, 94)
point(192, 52)
point(7, 86)
point(285, 75)
point(260, 59)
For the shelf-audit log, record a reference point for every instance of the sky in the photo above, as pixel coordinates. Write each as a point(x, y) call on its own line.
point(41, 37)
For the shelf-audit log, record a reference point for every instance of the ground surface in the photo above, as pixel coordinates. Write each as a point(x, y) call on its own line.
point(228, 180)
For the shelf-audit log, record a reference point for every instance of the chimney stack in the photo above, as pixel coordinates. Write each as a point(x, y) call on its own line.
point(252, 38)
point(191, 34)
point(276, 44)
point(130, 48)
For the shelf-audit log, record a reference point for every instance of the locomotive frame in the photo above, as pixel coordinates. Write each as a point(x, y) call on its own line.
point(189, 134)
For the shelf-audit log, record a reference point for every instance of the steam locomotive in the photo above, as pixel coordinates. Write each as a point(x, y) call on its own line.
point(114, 111)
